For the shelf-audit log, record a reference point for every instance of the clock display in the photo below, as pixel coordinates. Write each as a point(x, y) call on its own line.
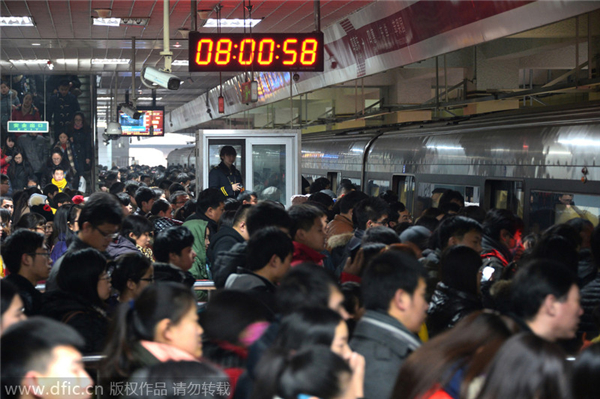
point(262, 52)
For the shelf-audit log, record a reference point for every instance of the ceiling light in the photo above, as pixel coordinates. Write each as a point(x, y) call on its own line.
point(103, 12)
point(110, 61)
point(106, 21)
point(16, 21)
point(148, 98)
point(104, 98)
point(65, 60)
point(177, 45)
point(180, 63)
point(36, 44)
point(29, 61)
point(232, 23)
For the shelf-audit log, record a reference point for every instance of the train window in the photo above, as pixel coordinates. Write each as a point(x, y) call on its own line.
point(268, 165)
point(549, 208)
point(506, 194)
point(333, 177)
point(429, 194)
point(376, 187)
point(404, 187)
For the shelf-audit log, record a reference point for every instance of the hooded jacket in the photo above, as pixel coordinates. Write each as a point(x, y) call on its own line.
point(121, 246)
point(223, 241)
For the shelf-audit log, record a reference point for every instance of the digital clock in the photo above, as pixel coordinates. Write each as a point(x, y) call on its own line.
point(275, 52)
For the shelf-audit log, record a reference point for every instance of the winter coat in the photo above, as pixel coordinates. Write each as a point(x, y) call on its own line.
point(19, 174)
point(6, 103)
point(222, 178)
point(48, 169)
point(339, 225)
point(32, 298)
point(36, 150)
point(586, 269)
point(385, 343)
point(197, 223)
point(62, 111)
point(590, 299)
point(32, 115)
point(227, 263)
point(89, 320)
point(448, 306)
point(168, 272)
point(82, 146)
point(59, 248)
point(223, 241)
point(255, 286)
point(121, 246)
point(303, 254)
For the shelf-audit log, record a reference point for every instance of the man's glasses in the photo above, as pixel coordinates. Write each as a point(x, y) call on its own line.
point(112, 236)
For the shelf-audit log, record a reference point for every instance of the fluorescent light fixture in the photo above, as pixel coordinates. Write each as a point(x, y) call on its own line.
point(16, 21)
point(106, 21)
point(110, 61)
point(443, 147)
point(148, 98)
point(134, 21)
point(29, 61)
point(104, 98)
point(580, 142)
point(180, 63)
point(65, 60)
point(36, 44)
point(232, 23)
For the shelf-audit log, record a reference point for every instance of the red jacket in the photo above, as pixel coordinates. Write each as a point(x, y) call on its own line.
point(302, 254)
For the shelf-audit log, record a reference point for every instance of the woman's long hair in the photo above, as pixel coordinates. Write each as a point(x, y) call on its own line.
point(469, 345)
point(313, 371)
point(527, 366)
point(136, 321)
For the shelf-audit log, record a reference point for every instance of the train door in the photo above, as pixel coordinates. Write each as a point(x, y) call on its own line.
point(404, 187)
point(269, 161)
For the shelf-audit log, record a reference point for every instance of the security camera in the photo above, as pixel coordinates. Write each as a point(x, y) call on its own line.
point(163, 79)
point(130, 111)
point(296, 77)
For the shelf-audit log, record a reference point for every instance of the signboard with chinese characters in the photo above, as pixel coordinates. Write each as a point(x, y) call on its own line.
point(28, 127)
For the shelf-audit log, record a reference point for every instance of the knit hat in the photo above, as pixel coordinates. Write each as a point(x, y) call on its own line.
point(36, 199)
point(43, 210)
point(415, 234)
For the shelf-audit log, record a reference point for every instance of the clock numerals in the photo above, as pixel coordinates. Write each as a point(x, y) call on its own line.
point(223, 55)
point(293, 53)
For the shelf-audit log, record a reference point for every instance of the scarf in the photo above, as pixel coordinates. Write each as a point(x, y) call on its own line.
point(61, 185)
point(69, 152)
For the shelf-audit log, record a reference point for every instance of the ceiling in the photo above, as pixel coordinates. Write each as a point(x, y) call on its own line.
point(66, 36)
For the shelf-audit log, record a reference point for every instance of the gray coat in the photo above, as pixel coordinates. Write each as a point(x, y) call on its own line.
point(36, 149)
point(385, 343)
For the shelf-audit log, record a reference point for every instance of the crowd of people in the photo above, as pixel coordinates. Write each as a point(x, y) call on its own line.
point(342, 295)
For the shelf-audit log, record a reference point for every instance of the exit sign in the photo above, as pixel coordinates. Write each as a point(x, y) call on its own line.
point(249, 92)
point(28, 127)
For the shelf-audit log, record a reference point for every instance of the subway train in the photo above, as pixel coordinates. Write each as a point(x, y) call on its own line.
point(543, 164)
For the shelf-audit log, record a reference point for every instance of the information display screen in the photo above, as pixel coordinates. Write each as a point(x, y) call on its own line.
point(274, 52)
point(151, 123)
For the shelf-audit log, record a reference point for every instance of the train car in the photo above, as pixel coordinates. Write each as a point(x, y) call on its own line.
point(185, 156)
point(542, 165)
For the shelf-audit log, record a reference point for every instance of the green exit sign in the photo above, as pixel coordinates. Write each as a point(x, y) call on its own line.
point(28, 127)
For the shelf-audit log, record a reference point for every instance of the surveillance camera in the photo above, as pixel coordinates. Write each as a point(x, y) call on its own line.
point(130, 111)
point(296, 77)
point(164, 79)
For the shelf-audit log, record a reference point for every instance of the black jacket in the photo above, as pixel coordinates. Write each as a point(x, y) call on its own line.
point(82, 145)
point(19, 174)
point(590, 299)
point(256, 286)
point(447, 307)
point(89, 320)
point(227, 263)
point(222, 177)
point(32, 298)
point(168, 272)
point(223, 241)
point(62, 111)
